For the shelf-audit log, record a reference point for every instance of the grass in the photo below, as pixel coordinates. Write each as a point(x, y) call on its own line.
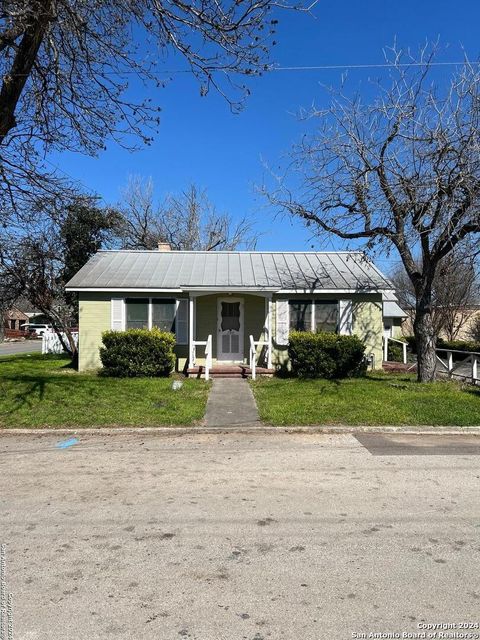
point(377, 399)
point(44, 391)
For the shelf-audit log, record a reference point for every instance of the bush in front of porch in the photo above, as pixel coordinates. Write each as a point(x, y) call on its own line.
point(137, 352)
point(326, 355)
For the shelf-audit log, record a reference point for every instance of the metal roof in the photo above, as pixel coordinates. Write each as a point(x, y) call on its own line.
point(392, 310)
point(228, 270)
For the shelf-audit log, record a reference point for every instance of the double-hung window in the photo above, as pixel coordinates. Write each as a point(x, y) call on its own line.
point(137, 313)
point(145, 313)
point(313, 315)
point(163, 314)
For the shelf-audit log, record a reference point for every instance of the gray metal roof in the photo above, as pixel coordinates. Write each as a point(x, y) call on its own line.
point(392, 309)
point(237, 270)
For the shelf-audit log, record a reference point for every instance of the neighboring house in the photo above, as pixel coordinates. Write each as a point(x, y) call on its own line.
point(14, 319)
point(230, 295)
point(393, 318)
point(464, 319)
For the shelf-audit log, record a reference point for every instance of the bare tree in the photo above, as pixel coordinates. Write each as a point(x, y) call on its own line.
point(38, 264)
point(188, 221)
point(401, 173)
point(455, 289)
point(66, 67)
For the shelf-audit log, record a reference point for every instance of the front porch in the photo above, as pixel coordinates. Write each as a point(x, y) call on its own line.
point(230, 334)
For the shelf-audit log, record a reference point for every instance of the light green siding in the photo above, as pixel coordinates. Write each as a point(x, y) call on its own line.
point(94, 319)
point(367, 325)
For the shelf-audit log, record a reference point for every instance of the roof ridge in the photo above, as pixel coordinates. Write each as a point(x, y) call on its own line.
point(175, 251)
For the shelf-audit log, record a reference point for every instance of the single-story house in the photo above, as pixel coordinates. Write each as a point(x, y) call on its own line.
point(14, 319)
point(228, 299)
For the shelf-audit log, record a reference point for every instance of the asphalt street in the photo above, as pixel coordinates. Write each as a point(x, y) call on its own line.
point(28, 346)
point(248, 537)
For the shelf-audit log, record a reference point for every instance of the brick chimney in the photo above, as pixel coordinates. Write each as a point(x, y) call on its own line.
point(164, 246)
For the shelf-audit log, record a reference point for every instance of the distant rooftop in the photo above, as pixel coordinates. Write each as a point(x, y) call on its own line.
point(221, 270)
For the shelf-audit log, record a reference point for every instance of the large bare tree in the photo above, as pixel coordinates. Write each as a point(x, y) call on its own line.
point(71, 72)
point(398, 173)
point(188, 221)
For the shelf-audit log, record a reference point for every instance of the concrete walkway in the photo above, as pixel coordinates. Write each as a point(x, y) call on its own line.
point(231, 403)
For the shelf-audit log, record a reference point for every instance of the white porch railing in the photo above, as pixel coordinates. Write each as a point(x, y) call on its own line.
point(253, 354)
point(466, 367)
point(208, 354)
point(385, 348)
point(51, 342)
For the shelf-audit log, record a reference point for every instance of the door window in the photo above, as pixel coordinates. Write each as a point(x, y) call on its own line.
point(230, 316)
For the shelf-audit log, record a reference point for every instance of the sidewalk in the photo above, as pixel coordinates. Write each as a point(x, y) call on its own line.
point(231, 404)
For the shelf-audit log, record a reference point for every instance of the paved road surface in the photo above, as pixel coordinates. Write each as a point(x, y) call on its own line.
point(29, 346)
point(238, 537)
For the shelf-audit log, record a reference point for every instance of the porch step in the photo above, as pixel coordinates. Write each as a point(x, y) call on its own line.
point(399, 367)
point(228, 371)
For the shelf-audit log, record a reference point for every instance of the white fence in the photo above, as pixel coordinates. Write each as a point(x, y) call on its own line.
point(464, 365)
point(51, 342)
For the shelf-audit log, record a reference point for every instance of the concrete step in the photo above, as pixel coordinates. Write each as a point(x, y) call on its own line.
point(228, 371)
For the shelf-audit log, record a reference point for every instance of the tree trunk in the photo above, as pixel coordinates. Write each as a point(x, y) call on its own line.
point(2, 323)
point(426, 343)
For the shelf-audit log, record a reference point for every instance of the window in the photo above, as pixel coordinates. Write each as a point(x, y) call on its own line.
point(300, 315)
point(13, 324)
point(230, 316)
point(313, 315)
point(326, 316)
point(163, 314)
point(136, 313)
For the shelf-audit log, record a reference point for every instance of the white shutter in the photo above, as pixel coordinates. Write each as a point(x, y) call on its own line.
point(117, 314)
point(181, 321)
point(345, 312)
point(282, 322)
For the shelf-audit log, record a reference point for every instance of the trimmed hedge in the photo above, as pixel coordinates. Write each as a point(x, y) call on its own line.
point(137, 352)
point(326, 355)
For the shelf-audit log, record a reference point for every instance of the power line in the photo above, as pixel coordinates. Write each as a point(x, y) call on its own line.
point(383, 65)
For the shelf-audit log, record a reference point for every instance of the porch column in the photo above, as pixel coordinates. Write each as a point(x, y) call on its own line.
point(191, 321)
point(269, 332)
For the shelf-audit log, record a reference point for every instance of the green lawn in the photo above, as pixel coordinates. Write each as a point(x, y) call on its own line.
point(378, 399)
point(43, 391)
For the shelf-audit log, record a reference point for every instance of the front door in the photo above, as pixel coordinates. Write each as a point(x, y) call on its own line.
point(230, 329)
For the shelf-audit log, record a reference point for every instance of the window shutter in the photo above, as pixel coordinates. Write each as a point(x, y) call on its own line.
point(345, 317)
point(181, 321)
point(282, 322)
point(117, 314)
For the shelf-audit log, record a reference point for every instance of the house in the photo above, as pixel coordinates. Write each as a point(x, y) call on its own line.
point(234, 297)
point(14, 319)
point(393, 317)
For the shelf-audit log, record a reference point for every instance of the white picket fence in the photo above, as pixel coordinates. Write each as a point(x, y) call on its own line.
point(51, 342)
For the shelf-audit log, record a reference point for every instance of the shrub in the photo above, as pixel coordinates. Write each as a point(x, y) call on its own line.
point(454, 345)
point(326, 355)
point(457, 345)
point(474, 329)
point(137, 352)
point(395, 352)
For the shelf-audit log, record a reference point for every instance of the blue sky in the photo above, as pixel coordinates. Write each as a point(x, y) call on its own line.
point(201, 141)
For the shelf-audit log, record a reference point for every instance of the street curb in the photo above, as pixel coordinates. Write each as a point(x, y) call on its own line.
point(247, 429)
